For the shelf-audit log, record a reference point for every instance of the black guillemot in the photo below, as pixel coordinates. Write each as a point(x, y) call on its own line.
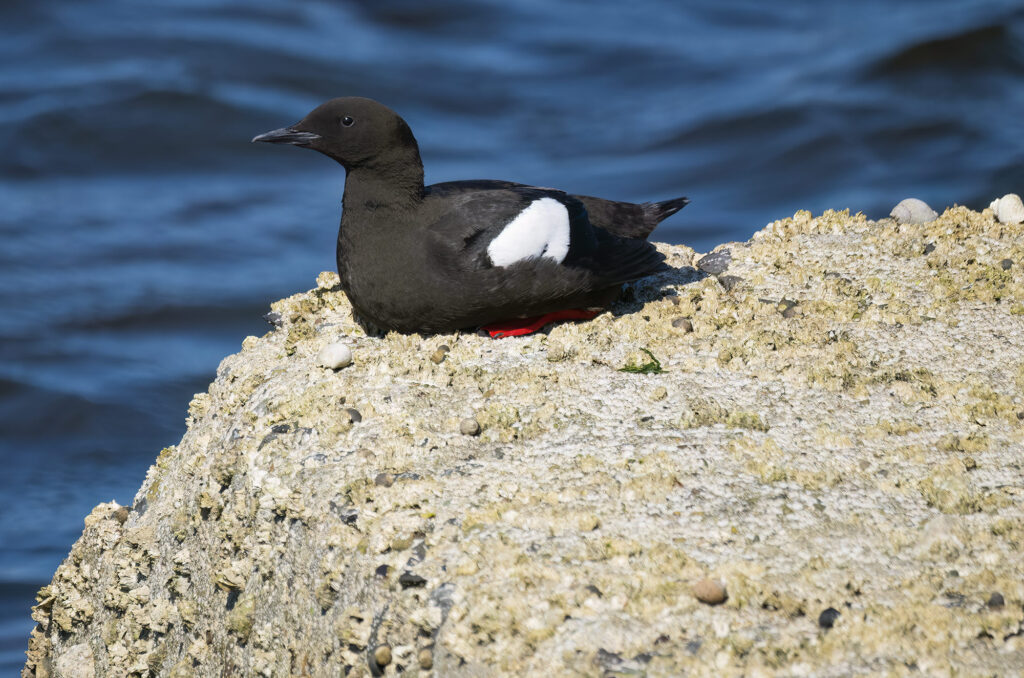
point(465, 254)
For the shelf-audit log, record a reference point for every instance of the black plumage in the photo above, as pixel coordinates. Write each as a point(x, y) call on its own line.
point(415, 258)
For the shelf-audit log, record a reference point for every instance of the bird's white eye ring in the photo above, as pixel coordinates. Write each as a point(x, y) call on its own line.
point(347, 121)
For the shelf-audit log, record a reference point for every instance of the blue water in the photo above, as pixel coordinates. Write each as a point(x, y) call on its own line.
point(142, 236)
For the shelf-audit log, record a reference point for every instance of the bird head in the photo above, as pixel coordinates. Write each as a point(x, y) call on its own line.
point(355, 131)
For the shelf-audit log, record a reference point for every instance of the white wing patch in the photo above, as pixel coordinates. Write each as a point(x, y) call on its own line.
point(540, 230)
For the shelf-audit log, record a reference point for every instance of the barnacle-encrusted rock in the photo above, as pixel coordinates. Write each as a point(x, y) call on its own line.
point(841, 430)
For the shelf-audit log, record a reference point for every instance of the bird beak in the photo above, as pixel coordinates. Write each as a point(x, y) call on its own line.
point(287, 135)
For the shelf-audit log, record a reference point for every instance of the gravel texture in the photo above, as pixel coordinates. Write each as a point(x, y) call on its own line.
point(839, 429)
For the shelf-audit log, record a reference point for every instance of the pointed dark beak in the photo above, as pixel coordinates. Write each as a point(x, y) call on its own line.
point(287, 135)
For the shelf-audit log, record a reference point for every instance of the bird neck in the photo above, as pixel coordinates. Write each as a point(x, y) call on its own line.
point(392, 181)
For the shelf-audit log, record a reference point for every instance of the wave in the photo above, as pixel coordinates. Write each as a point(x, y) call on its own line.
point(155, 130)
point(27, 410)
point(172, 317)
point(992, 48)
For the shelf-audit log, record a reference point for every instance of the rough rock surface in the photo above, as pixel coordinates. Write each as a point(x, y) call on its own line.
point(837, 426)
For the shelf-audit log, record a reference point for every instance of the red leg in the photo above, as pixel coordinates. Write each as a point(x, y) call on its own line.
point(522, 326)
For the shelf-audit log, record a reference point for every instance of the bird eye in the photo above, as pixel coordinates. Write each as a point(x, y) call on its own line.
point(347, 121)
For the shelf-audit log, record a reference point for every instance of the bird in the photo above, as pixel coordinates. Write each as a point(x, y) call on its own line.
point(498, 255)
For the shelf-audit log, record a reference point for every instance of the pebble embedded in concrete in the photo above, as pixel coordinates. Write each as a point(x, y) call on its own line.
point(828, 617)
point(426, 659)
point(438, 356)
point(684, 324)
point(710, 591)
point(728, 282)
point(469, 426)
point(334, 356)
point(411, 580)
point(716, 262)
point(913, 211)
point(382, 655)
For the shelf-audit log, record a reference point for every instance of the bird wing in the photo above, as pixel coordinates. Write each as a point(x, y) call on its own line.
point(625, 219)
point(483, 225)
point(493, 224)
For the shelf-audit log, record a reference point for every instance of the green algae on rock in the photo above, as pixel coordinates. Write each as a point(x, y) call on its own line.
point(838, 428)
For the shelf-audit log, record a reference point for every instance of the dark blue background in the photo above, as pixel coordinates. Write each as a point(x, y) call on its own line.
point(142, 236)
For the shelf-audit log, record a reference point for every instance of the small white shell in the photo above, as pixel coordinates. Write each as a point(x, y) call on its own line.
point(334, 356)
point(913, 211)
point(1009, 209)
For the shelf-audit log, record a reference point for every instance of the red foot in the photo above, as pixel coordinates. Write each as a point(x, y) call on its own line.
point(521, 326)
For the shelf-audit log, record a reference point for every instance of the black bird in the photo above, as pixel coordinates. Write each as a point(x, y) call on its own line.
point(462, 254)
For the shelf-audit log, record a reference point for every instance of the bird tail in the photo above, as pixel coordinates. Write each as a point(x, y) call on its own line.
point(656, 212)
